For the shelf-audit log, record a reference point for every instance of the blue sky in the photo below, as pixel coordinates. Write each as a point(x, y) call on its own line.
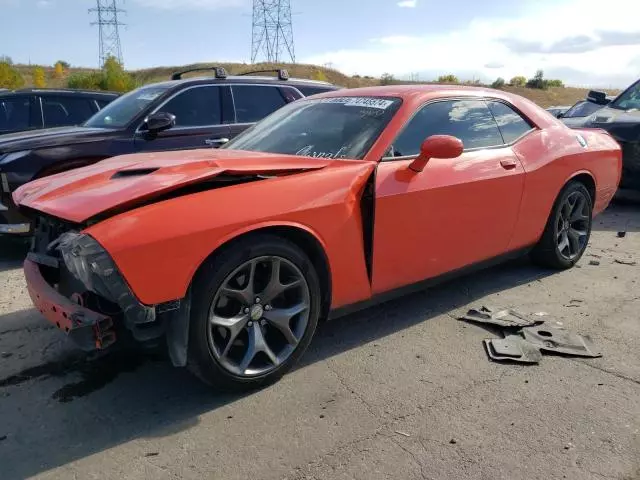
point(469, 38)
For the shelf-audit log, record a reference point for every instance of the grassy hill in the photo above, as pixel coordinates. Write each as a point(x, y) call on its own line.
point(544, 98)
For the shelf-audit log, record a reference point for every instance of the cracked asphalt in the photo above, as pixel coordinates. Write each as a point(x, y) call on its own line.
point(400, 391)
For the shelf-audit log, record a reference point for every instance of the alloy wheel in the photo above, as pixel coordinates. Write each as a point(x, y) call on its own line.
point(258, 316)
point(572, 226)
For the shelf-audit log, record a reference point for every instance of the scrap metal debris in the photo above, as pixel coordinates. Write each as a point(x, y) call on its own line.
point(560, 340)
point(512, 348)
point(500, 317)
point(625, 262)
point(532, 337)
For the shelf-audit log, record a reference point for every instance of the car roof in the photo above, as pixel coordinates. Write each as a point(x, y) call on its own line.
point(415, 95)
point(424, 90)
point(60, 91)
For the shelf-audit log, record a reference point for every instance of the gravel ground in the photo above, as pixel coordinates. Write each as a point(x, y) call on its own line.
point(400, 391)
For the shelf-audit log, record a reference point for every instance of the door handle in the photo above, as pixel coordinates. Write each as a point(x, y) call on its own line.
point(508, 163)
point(216, 141)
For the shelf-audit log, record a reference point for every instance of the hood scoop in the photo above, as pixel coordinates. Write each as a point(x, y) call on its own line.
point(134, 172)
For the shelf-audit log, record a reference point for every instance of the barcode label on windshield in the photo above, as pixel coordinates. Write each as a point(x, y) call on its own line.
point(360, 102)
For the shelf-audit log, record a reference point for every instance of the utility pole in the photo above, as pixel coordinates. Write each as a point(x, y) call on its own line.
point(272, 31)
point(109, 29)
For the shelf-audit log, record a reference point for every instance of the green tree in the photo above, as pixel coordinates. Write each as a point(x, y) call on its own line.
point(64, 64)
point(518, 81)
point(555, 83)
point(6, 59)
point(538, 81)
point(499, 83)
point(10, 77)
point(386, 79)
point(114, 78)
point(39, 78)
point(85, 81)
point(448, 79)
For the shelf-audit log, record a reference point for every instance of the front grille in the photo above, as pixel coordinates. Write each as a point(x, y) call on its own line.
point(47, 230)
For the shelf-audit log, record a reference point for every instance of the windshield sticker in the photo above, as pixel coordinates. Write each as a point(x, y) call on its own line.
point(149, 96)
point(308, 152)
point(360, 102)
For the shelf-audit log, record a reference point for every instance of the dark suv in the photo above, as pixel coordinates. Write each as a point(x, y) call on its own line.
point(175, 115)
point(37, 108)
point(621, 118)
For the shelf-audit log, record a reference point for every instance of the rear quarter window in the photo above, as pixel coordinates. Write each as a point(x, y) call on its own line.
point(512, 125)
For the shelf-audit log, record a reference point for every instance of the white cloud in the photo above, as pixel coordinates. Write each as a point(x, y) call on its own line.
point(192, 4)
point(408, 3)
point(593, 49)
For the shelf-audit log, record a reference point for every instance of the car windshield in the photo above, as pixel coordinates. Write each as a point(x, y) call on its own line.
point(629, 99)
point(331, 127)
point(124, 109)
point(583, 108)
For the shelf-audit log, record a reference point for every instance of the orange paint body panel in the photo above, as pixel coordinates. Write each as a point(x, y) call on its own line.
point(454, 213)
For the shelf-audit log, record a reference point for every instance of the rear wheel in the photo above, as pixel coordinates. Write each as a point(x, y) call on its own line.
point(568, 228)
point(256, 308)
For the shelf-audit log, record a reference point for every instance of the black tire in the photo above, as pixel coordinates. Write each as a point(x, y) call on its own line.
point(547, 252)
point(201, 360)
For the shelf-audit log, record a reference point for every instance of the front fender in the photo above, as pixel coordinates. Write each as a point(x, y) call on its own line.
point(159, 247)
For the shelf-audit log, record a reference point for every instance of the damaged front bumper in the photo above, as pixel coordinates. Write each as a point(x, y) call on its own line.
point(88, 329)
point(76, 285)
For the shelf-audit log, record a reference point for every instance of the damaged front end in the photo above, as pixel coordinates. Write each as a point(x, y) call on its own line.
point(76, 285)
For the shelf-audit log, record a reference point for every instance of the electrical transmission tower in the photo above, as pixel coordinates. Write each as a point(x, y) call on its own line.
point(109, 26)
point(272, 32)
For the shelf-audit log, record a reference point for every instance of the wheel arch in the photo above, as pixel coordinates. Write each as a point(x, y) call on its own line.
point(300, 235)
point(587, 179)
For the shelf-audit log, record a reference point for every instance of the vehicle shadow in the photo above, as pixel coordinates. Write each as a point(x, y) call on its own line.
point(12, 252)
point(160, 400)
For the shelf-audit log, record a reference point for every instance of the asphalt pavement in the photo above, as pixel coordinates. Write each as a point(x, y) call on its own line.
point(400, 391)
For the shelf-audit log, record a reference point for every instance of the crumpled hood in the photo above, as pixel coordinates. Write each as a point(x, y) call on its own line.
point(129, 180)
point(51, 137)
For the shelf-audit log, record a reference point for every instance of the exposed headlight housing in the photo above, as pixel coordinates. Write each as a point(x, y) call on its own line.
point(89, 263)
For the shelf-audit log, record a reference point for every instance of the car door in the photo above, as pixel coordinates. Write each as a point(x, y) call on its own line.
point(454, 213)
point(254, 102)
point(200, 122)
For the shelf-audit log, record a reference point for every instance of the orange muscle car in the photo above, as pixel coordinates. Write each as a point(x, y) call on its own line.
point(231, 256)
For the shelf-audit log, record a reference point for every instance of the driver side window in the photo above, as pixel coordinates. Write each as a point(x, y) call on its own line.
point(196, 107)
point(469, 120)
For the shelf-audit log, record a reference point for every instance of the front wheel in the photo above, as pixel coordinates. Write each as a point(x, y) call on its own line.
point(256, 308)
point(568, 229)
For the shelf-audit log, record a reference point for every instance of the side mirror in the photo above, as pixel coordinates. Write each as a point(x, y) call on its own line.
point(437, 146)
point(159, 121)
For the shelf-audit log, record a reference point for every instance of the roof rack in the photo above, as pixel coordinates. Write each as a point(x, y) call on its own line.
point(282, 73)
point(219, 72)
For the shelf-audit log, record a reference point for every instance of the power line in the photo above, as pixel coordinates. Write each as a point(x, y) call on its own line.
point(109, 29)
point(272, 31)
